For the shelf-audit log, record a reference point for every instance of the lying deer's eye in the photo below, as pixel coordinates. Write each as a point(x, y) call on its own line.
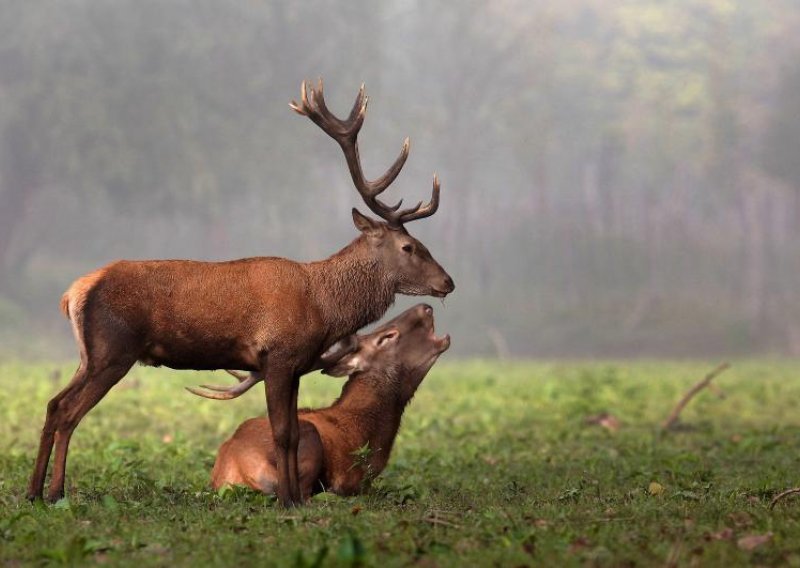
point(408, 248)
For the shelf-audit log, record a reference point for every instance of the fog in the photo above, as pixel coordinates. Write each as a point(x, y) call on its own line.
point(618, 179)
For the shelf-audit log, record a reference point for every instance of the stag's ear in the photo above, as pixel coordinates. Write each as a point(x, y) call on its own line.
point(368, 226)
point(347, 365)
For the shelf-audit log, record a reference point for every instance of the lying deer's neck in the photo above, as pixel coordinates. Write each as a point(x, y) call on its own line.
point(353, 289)
point(371, 410)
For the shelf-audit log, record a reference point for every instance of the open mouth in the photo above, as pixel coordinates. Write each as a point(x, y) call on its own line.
point(441, 343)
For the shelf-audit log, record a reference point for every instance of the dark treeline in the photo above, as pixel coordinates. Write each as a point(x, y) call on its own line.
point(619, 179)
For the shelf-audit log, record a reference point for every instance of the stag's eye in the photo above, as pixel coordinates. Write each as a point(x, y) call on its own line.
point(408, 248)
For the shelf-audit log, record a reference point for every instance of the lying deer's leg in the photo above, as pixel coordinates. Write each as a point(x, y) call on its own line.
point(279, 406)
point(71, 409)
point(310, 457)
point(36, 485)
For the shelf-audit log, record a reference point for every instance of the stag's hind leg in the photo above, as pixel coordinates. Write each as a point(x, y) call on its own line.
point(36, 485)
point(72, 407)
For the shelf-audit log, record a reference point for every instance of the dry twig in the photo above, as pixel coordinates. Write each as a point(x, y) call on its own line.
point(604, 419)
point(673, 416)
point(440, 517)
point(781, 495)
point(442, 522)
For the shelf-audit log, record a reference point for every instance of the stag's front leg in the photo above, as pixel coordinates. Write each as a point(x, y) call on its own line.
point(294, 444)
point(282, 409)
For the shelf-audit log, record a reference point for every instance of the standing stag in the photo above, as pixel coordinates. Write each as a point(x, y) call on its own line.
point(271, 316)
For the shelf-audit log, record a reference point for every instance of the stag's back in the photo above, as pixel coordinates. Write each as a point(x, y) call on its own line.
point(197, 315)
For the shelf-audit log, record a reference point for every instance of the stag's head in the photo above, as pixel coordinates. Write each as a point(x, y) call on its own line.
point(408, 262)
point(398, 354)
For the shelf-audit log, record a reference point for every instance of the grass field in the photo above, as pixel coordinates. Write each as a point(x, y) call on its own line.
point(494, 465)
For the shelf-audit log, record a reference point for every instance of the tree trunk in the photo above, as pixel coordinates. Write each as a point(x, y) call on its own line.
point(20, 183)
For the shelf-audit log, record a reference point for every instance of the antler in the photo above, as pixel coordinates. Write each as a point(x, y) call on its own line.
point(345, 132)
point(335, 352)
point(246, 382)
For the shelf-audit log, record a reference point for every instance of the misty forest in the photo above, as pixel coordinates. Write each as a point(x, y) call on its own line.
point(619, 211)
point(617, 180)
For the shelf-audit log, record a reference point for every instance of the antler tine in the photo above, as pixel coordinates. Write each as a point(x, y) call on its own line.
point(241, 377)
point(318, 104)
point(359, 109)
point(210, 394)
point(238, 376)
point(302, 107)
point(387, 178)
point(225, 393)
point(313, 106)
point(345, 132)
point(218, 388)
point(420, 212)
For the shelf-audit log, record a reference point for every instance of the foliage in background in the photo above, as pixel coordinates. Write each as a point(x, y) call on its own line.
point(617, 179)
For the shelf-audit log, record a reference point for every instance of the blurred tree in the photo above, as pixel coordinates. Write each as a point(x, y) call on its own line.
point(782, 136)
point(617, 177)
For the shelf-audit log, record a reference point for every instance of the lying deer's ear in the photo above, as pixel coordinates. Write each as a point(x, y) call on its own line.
point(339, 349)
point(387, 337)
point(365, 224)
point(347, 365)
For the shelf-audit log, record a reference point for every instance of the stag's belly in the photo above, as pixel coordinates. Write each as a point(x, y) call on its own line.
point(221, 353)
point(208, 343)
point(212, 339)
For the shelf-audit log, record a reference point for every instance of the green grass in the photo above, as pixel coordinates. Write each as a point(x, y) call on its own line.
point(494, 465)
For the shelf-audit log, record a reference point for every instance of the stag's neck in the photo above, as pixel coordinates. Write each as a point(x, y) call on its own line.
point(354, 289)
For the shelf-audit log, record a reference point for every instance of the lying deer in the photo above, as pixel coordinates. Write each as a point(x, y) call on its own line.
point(270, 316)
point(385, 370)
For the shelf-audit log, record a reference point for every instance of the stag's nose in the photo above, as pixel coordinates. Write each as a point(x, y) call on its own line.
point(449, 285)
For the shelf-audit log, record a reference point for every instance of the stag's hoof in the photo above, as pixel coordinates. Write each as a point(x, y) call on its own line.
point(290, 504)
point(55, 497)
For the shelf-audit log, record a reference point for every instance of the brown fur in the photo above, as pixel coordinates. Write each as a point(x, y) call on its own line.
point(271, 316)
point(268, 315)
point(385, 372)
point(76, 294)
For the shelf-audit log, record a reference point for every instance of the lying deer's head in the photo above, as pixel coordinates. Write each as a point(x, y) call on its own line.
point(412, 268)
point(397, 355)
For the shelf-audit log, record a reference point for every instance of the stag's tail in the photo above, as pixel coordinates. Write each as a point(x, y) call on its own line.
point(74, 299)
point(72, 306)
point(65, 304)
